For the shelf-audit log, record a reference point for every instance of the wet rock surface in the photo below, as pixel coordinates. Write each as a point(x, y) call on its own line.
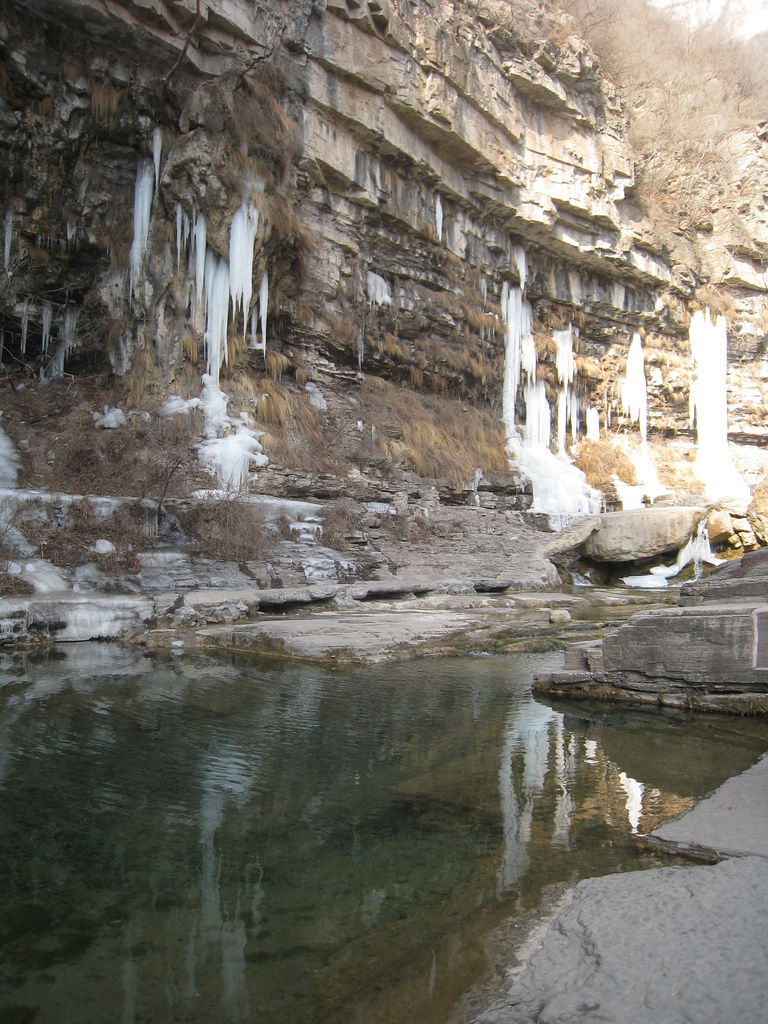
point(711, 652)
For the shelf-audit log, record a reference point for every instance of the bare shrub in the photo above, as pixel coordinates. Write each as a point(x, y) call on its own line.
point(230, 528)
point(340, 519)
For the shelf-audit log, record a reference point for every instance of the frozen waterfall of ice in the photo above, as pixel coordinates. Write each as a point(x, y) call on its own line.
point(558, 486)
point(709, 408)
point(9, 461)
point(379, 292)
point(142, 212)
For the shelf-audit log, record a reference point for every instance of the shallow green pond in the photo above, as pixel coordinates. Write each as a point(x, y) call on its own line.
point(221, 839)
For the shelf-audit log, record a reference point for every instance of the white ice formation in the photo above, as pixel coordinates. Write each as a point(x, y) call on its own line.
point(142, 212)
point(379, 292)
point(559, 487)
point(8, 241)
point(634, 401)
point(110, 418)
point(709, 408)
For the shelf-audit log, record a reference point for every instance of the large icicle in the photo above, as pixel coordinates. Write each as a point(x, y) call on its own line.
point(634, 402)
point(47, 317)
point(8, 241)
point(67, 342)
point(263, 304)
point(197, 256)
point(183, 228)
point(709, 407)
point(518, 318)
point(242, 237)
point(24, 326)
point(216, 313)
point(439, 217)
point(142, 212)
point(157, 152)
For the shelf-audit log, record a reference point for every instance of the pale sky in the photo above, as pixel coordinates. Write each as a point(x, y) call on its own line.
point(751, 16)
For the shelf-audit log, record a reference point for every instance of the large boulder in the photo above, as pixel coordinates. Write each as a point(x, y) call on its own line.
point(630, 536)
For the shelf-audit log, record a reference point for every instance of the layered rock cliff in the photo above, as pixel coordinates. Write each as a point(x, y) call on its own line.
point(344, 212)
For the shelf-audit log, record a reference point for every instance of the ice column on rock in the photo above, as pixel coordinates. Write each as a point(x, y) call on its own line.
point(183, 228)
point(709, 407)
point(634, 402)
point(197, 256)
point(67, 342)
point(593, 424)
point(439, 217)
point(47, 316)
point(24, 326)
point(518, 319)
point(216, 313)
point(8, 241)
point(568, 402)
point(142, 211)
point(263, 304)
point(157, 152)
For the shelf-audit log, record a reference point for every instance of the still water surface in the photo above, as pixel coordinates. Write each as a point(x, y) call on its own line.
point(214, 839)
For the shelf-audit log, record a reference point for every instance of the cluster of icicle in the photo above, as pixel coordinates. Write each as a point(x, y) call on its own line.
point(634, 402)
point(559, 487)
point(223, 291)
point(67, 339)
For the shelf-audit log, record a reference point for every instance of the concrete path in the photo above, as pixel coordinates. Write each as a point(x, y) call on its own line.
point(673, 945)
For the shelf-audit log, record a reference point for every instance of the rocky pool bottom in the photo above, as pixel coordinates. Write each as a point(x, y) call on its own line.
point(210, 837)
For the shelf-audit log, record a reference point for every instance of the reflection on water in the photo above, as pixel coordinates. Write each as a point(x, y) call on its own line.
point(213, 839)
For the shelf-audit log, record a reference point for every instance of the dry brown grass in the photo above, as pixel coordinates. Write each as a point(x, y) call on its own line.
point(297, 434)
point(438, 438)
point(105, 103)
point(600, 462)
point(717, 300)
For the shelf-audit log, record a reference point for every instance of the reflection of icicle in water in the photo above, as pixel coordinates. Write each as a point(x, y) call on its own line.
point(527, 729)
point(564, 804)
point(709, 407)
point(142, 212)
point(634, 804)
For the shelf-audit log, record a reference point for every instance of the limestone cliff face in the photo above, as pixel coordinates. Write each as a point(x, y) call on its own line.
point(399, 155)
